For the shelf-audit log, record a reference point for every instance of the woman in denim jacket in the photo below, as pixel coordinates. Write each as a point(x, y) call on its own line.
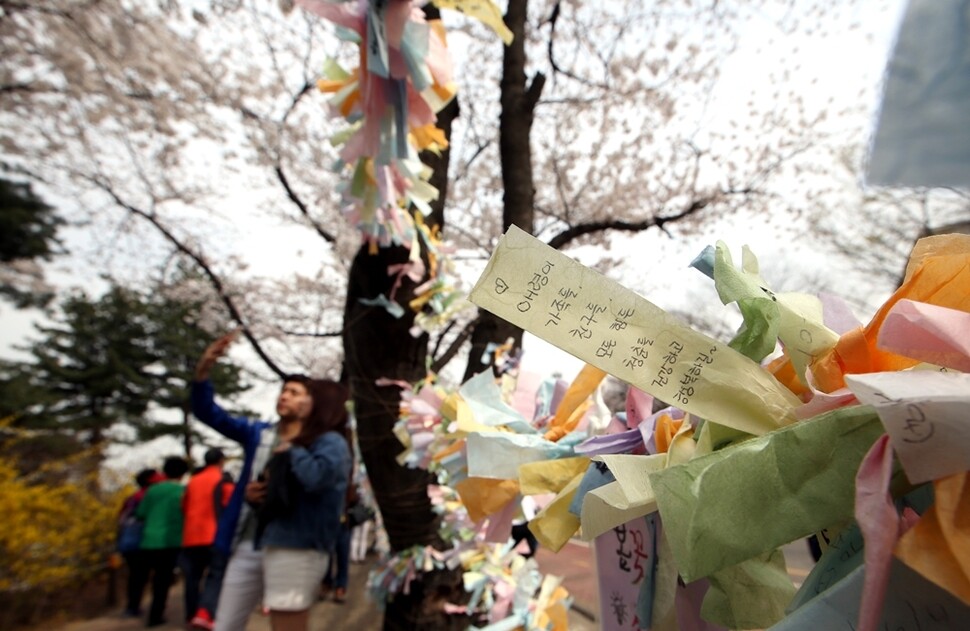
point(299, 517)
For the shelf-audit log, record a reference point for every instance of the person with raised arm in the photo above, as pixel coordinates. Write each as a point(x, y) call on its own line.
point(276, 533)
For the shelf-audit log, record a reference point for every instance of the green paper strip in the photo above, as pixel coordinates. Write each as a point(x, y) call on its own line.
point(750, 498)
point(750, 595)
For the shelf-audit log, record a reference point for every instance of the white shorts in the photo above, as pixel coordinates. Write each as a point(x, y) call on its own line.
point(291, 577)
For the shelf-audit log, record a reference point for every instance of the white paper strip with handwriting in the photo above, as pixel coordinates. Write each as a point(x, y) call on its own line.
point(925, 415)
point(601, 322)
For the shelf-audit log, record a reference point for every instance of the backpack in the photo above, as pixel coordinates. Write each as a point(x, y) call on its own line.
point(130, 530)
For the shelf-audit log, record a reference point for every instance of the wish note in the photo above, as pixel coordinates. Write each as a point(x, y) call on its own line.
point(624, 560)
point(752, 497)
point(912, 603)
point(925, 415)
point(601, 322)
point(618, 502)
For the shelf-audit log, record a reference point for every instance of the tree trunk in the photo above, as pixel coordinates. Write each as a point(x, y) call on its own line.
point(377, 345)
point(515, 127)
point(187, 430)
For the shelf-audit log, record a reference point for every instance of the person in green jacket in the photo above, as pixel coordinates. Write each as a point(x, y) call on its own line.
point(161, 540)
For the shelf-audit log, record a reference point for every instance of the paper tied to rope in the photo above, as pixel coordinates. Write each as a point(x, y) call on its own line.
point(938, 273)
point(925, 414)
point(592, 317)
point(390, 101)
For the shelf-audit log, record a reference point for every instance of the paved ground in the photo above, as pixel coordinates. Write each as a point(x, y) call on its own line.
point(574, 563)
point(359, 613)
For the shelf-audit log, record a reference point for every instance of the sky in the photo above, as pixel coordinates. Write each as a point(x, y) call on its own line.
point(836, 65)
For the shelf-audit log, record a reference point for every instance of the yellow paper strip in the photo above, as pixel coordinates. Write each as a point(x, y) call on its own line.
point(618, 502)
point(550, 476)
point(554, 524)
point(594, 318)
point(484, 10)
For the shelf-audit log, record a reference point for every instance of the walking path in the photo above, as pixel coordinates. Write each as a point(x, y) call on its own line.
point(574, 563)
point(359, 613)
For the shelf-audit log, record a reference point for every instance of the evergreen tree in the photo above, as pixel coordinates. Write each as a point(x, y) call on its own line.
point(107, 361)
point(97, 360)
point(28, 233)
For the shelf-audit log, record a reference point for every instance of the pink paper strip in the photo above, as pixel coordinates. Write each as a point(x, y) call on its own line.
point(500, 523)
point(880, 527)
point(622, 563)
point(928, 333)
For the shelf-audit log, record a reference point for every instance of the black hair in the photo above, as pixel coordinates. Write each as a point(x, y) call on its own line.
point(214, 456)
point(298, 378)
point(329, 412)
point(175, 467)
point(144, 477)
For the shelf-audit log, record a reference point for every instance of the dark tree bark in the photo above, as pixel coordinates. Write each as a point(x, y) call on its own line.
point(377, 345)
point(518, 99)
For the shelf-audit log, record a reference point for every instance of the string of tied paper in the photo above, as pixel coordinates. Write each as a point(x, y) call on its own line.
point(873, 457)
point(505, 589)
point(391, 100)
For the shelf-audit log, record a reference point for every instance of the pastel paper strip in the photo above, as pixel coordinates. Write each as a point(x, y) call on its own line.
point(797, 480)
point(624, 560)
point(621, 442)
point(938, 273)
point(749, 595)
point(596, 475)
point(925, 414)
point(911, 603)
point(554, 525)
point(621, 501)
point(879, 522)
point(550, 476)
point(484, 398)
point(932, 334)
point(499, 454)
point(607, 507)
point(623, 334)
point(800, 324)
point(938, 546)
point(484, 10)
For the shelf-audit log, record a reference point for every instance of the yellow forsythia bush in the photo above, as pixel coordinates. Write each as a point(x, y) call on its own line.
point(52, 533)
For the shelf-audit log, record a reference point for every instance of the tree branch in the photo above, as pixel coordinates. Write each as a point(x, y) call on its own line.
point(281, 175)
point(329, 238)
point(579, 230)
point(556, 68)
point(439, 363)
point(311, 334)
point(534, 91)
point(7, 88)
point(307, 86)
point(214, 279)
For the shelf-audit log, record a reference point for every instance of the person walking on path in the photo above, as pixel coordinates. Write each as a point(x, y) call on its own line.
point(338, 567)
point(205, 499)
point(235, 543)
point(130, 530)
point(161, 510)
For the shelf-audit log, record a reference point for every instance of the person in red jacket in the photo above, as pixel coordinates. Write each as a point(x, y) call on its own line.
point(206, 494)
point(129, 543)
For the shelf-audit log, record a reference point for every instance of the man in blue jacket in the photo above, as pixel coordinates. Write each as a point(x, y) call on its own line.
point(235, 580)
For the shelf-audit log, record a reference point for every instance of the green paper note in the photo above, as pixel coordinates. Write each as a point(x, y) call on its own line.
point(750, 498)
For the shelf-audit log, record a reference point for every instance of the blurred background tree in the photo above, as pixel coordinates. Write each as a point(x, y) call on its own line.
point(28, 235)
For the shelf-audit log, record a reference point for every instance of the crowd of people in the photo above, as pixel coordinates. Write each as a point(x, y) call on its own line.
point(280, 537)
